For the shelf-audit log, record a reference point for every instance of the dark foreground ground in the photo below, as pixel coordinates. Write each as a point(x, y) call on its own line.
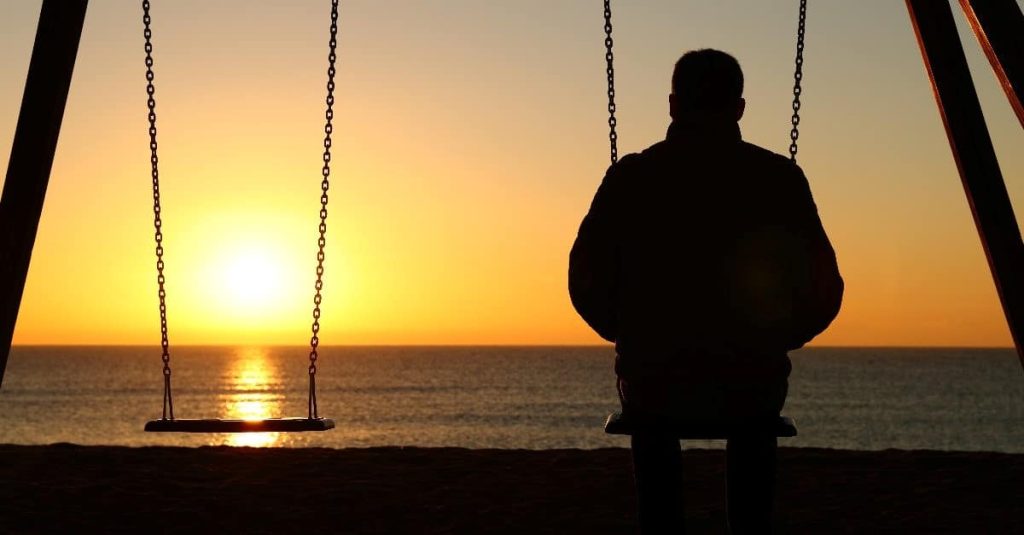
point(74, 489)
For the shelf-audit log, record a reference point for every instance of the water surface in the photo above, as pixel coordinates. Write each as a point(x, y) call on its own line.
point(491, 397)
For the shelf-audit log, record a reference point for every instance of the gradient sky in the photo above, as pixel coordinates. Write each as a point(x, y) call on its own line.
point(470, 137)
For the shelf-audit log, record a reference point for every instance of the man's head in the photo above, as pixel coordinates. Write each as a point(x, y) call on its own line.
point(707, 86)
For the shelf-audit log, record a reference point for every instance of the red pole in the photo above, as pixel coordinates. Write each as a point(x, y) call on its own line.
point(999, 26)
point(975, 158)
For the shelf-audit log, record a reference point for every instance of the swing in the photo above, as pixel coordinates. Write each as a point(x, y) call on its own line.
point(618, 423)
point(312, 422)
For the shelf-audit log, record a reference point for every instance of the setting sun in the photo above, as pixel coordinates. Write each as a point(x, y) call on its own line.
point(253, 280)
point(242, 273)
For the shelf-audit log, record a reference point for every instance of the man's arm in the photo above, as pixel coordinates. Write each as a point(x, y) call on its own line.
point(593, 261)
point(818, 293)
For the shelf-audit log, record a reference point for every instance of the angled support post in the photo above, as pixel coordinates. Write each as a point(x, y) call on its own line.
point(35, 141)
point(999, 26)
point(975, 158)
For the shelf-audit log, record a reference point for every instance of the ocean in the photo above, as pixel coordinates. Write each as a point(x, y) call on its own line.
point(492, 397)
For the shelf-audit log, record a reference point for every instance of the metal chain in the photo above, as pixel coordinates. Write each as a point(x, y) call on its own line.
point(798, 75)
point(165, 354)
point(325, 184)
point(609, 56)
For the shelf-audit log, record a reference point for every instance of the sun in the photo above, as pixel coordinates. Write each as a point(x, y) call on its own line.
point(248, 286)
point(253, 280)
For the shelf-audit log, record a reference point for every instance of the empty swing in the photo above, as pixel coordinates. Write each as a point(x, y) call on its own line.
point(619, 424)
point(312, 422)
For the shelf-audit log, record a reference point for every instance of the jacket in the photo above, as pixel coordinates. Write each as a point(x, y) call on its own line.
point(704, 255)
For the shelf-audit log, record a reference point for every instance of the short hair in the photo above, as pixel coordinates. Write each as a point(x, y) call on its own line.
point(707, 79)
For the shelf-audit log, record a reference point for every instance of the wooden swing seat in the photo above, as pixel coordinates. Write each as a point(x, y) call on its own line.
point(213, 425)
point(618, 424)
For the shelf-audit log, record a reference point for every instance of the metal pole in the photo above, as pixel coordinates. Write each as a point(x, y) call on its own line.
point(999, 26)
point(975, 158)
point(35, 141)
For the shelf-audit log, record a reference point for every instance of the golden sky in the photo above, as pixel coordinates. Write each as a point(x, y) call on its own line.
point(470, 137)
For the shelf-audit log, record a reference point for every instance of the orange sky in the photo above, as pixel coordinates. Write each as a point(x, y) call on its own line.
point(470, 139)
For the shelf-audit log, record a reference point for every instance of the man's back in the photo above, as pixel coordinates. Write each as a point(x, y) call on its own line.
point(702, 252)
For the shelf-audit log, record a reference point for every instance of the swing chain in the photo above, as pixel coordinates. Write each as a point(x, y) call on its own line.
point(798, 75)
point(165, 354)
point(325, 184)
point(609, 57)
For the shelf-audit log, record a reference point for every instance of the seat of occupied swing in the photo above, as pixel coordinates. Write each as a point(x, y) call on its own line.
point(619, 424)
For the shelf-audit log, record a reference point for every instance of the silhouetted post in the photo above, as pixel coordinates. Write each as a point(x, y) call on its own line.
point(999, 25)
point(35, 140)
point(975, 158)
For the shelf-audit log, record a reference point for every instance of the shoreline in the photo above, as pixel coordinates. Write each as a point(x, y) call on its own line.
point(70, 488)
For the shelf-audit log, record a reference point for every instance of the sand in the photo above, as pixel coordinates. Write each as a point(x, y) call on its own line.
point(76, 489)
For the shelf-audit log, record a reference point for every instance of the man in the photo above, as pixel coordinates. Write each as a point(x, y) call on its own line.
point(704, 260)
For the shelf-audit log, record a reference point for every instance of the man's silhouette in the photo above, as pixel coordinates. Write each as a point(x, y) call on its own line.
point(704, 260)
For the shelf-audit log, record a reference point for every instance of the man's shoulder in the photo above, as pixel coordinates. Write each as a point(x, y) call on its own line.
point(747, 154)
point(748, 150)
point(657, 150)
point(762, 156)
point(636, 162)
point(632, 164)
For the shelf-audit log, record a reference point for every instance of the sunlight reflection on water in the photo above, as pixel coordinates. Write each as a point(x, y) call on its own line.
point(253, 387)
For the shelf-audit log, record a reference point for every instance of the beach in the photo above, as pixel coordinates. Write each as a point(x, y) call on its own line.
point(74, 489)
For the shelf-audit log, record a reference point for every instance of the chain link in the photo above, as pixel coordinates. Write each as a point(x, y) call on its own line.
point(165, 354)
point(798, 76)
point(325, 184)
point(609, 56)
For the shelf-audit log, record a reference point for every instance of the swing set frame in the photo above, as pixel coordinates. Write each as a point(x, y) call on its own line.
point(998, 25)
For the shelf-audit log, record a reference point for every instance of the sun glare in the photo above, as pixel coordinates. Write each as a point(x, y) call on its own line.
point(252, 280)
point(243, 286)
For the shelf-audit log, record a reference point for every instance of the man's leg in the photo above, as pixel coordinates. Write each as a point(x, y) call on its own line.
point(658, 472)
point(750, 483)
